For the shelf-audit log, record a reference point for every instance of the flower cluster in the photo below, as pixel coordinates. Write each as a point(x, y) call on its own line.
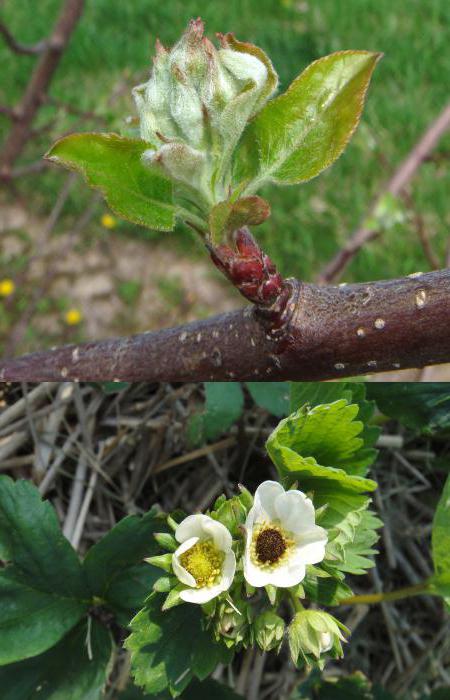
point(244, 545)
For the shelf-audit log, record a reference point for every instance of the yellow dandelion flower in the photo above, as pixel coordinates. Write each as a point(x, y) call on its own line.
point(108, 221)
point(7, 287)
point(73, 317)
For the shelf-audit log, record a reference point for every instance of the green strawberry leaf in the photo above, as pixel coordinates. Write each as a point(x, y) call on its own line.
point(77, 668)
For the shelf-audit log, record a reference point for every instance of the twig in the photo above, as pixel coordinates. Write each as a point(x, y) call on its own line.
point(331, 332)
point(19, 48)
point(395, 187)
point(51, 54)
point(195, 454)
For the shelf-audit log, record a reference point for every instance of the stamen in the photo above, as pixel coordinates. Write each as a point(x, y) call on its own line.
point(204, 562)
point(270, 545)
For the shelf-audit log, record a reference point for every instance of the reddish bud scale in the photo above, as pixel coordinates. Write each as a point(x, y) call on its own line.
point(254, 274)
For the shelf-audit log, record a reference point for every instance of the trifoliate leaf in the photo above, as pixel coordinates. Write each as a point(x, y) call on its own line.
point(272, 396)
point(422, 406)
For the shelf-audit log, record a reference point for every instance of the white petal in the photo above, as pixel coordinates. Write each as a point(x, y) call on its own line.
point(200, 595)
point(253, 574)
point(310, 546)
point(295, 511)
point(265, 496)
point(288, 574)
point(192, 526)
point(220, 535)
point(228, 570)
point(179, 570)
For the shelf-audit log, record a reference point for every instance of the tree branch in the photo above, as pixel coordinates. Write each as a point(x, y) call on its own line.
point(17, 47)
point(395, 186)
point(37, 87)
point(328, 332)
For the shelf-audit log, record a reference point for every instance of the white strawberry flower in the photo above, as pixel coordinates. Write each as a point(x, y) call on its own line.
point(281, 537)
point(204, 561)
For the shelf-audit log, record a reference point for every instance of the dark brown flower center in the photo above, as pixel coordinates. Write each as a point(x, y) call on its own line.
point(270, 545)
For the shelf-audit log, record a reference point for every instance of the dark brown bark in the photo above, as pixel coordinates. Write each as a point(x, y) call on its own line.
point(329, 332)
point(34, 95)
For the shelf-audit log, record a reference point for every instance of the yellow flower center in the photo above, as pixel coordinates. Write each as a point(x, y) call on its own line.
point(270, 545)
point(204, 562)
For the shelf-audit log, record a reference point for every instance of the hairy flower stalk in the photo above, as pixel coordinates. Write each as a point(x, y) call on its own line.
point(194, 108)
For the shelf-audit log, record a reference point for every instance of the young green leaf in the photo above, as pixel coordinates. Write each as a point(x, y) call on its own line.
point(77, 668)
point(324, 435)
point(169, 648)
point(440, 545)
point(113, 164)
point(302, 132)
point(228, 216)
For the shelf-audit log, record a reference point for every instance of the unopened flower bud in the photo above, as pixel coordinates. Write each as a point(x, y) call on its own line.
point(269, 630)
point(199, 99)
point(313, 633)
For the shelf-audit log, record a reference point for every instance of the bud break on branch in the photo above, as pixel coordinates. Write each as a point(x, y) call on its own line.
point(211, 135)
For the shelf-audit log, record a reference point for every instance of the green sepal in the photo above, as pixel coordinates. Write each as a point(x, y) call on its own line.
point(166, 541)
point(173, 599)
point(161, 561)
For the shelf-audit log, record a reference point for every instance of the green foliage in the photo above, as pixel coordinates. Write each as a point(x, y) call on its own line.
point(325, 435)
point(224, 402)
point(353, 687)
point(76, 668)
point(196, 690)
point(440, 545)
point(113, 165)
point(421, 406)
point(42, 588)
point(226, 217)
point(315, 393)
point(272, 396)
point(302, 132)
point(319, 449)
point(111, 566)
point(169, 647)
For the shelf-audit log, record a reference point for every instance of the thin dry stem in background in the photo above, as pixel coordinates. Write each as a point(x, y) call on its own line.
point(396, 187)
point(102, 457)
point(50, 53)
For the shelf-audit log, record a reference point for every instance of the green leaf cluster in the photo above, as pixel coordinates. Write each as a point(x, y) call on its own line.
point(287, 140)
point(51, 643)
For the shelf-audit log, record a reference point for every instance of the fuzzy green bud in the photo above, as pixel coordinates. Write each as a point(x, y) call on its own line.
point(313, 633)
point(269, 630)
point(196, 104)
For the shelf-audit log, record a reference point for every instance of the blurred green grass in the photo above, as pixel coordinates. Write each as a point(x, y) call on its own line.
point(114, 41)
